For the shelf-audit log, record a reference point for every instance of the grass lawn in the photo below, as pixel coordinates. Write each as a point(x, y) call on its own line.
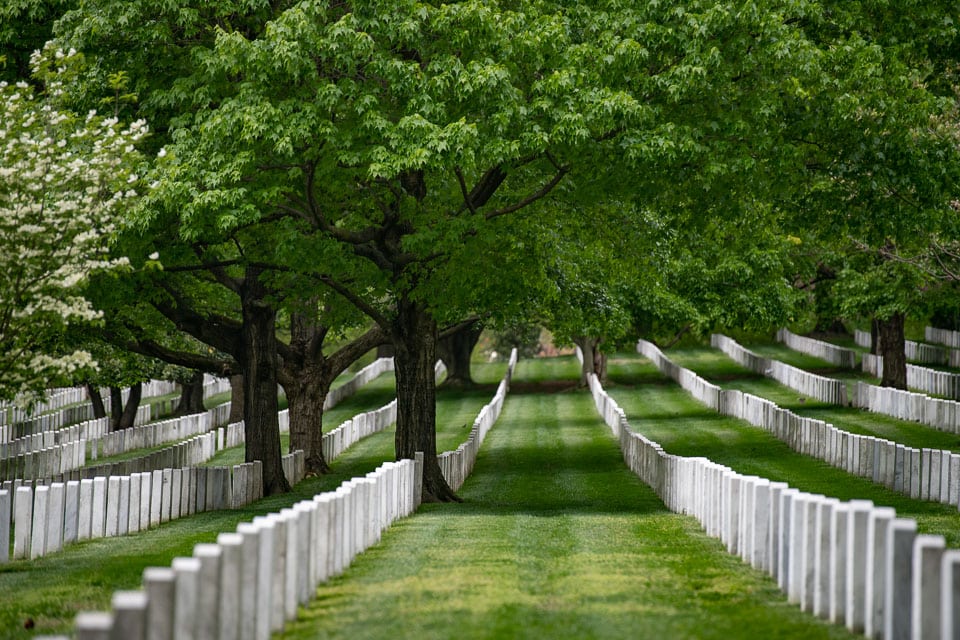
point(555, 538)
point(666, 413)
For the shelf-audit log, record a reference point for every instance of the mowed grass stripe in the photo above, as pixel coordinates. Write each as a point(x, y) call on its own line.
point(663, 411)
point(555, 539)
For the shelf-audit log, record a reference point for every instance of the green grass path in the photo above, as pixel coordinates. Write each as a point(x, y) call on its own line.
point(555, 539)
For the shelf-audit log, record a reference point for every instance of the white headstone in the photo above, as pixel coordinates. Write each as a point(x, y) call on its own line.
point(856, 583)
point(129, 615)
point(876, 580)
point(898, 573)
point(927, 559)
point(159, 584)
point(41, 521)
point(71, 512)
point(186, 596)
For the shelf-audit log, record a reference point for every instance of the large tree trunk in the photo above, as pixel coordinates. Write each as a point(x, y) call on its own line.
point(415, 340)
point(594, 360)
point(129, 414)
point(260, 362)
point(875, 336)
point(191, 396)
point(455, 350)
point(892, 349)
point(116, 407)
point(305, 398)
point(99, 410)
point(236, 399)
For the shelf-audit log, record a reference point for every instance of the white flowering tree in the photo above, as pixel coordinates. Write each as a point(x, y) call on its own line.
point(64, 180)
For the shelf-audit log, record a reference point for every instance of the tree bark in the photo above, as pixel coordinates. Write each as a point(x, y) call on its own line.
point(116, 407)
point(260, 363)
point(236, 399)
point(455, 350)
point(875, 336)
point(594, 360)
point(892, 349)
point(99, 410)
point(306, 397)
point(191, 396)
point(129, 414)
point(414, 335)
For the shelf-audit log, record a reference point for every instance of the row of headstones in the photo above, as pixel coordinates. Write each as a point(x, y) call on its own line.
point(848, 562)
point(941, 414)
point(921, 352)
point(941, 383)
point(158, 433)
point(251, 582)
point(46, 439)
point(457, 465)
point(11, 414)
point(72, 456)
point(352, 430)
point(942, 336)
point(927, 474)
point(47, 517)
point(45, 463)
point(193, 451)
point(373, 370)
point(819, 387)
point(837, 356)
point(60, 411)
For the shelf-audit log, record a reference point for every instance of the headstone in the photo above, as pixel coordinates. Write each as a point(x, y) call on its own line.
point(41, 520)
point(129, 615)
point(156, 493)
point(837, 596)
point(5, 502)
point(859, 514)
point(71, 512)
point(209, 589)
point(249, 581)
point(146, 493)
point(123, 512)
point(186, 594)
point(111, 526)
point(99, 510)
point(786, 533)
point(85, 512)
point(176, 492)
point(823, 556)
point(93, 625)
point(159, 583)
point(231, 613)
point(55, 518)
point(928, 554)
point(876, 580)
point(133, 510)
point(950, 594)
point(898, 578)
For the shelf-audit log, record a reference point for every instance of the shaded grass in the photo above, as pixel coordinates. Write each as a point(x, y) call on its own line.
point(556, 538)
point(661, 410)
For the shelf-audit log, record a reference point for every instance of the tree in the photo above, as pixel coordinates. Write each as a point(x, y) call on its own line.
point(393, 141)
point(64, 181)
point(880, 157)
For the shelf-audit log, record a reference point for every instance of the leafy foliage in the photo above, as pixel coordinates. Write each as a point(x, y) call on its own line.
point(64, 179)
